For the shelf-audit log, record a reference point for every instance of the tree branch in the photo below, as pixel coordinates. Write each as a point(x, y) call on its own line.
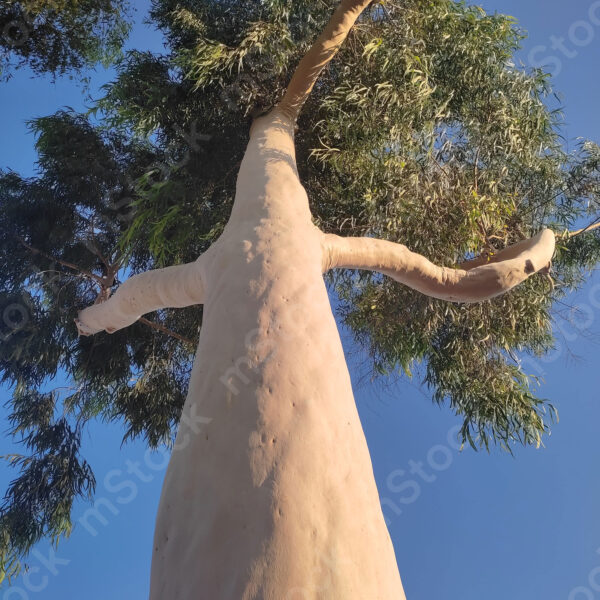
point(173, 287)
point(320, 55)
point(165, 330)
point(502, 272)
point(590, 227)
point(64, 263)
point(485, 259)
point(104, 295)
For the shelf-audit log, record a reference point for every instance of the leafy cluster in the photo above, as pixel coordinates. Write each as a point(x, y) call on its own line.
point(421, 131)
point(60, 251)
point(58, 36)
point(38, 504)
point(434, 138)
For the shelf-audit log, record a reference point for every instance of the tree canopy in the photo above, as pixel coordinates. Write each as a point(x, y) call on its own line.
point(423, 131)
point(59, 36)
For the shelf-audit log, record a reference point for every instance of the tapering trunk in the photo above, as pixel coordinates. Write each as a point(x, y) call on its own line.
point(274, 498)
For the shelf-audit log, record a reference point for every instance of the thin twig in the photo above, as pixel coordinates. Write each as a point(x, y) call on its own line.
point(165, 330)
point(64, 263)
point(96, 249)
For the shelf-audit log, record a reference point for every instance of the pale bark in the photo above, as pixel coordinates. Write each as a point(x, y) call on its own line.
point(173, 287)
point(320, 54)
point(275, 498)
point(477, 280)
point(589, 228)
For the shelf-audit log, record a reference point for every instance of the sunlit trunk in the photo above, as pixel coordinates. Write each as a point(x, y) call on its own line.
point(275, 497)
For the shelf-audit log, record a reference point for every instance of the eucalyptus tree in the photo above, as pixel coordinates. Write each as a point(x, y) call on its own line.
point(59, 36)
point(425, 157)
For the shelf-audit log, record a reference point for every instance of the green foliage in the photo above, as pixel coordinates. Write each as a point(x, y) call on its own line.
point(59, 236)
point(421, 131)
point(38, 503)
point(56, 36)
point(429, 135)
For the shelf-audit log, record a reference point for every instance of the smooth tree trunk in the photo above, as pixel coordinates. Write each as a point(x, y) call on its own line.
point(270, 493)
point(275, 497)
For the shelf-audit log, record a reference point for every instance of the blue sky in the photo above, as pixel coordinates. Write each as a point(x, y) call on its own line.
point(465, 526)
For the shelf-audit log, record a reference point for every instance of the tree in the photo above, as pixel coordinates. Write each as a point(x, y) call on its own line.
point(56, 36)
point(421, 131)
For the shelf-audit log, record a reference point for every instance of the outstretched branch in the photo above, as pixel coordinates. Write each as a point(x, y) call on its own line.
point(591, 227)
point(173, 287)
point(471, 283)
point(320, 55)
point(104, 283)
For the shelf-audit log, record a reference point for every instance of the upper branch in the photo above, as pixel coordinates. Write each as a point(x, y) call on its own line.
point(591, 227)
point(478, 282)
point(320, 54)
point(96, 278)
point(173, 287)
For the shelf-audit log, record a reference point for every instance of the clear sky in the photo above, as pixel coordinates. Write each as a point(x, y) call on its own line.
point(465, 526)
